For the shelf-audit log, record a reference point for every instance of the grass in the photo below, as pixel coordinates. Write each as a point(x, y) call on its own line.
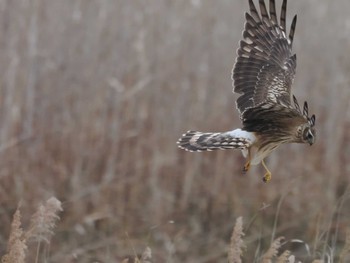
point(40, 230)
point(44, 220)
point(274, 253)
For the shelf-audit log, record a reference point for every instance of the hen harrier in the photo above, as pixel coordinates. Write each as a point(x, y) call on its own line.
point(263, 75)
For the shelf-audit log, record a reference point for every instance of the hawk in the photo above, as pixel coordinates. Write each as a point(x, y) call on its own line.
point(262, 75)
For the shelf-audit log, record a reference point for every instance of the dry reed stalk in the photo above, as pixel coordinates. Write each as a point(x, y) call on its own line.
point(145, 258)
point(318, 261)
point(44, 220)
point(346, 249)
point(16, 247)
point(236, 244)
point(272, 251)
point(284, 258)
point(146, 255)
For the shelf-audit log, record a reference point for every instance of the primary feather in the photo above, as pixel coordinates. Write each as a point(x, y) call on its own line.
point(265, 67)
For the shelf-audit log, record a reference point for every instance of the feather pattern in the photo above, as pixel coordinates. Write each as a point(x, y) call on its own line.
point(265, 67)
point(194, 141)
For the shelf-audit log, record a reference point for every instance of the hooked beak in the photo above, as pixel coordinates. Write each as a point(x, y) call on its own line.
point(312, 141)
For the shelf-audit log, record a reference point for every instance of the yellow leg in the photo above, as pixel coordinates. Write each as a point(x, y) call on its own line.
point(267, 176)
point(246, 167)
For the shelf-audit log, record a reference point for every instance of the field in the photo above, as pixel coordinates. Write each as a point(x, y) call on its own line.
point(95, 94)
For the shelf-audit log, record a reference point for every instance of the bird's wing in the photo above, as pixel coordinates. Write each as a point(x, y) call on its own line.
point(265, 67)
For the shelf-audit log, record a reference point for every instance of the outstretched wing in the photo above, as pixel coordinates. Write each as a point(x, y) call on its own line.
point(265, 67)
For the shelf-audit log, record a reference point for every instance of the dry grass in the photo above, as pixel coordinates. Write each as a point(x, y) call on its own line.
point(16, 247)
point(285, 257)
point(41, 229)
point(272, 252)
point(235, 250)
point(94, 95)
point(44, 220)
point(272, 255)
point(345, 253)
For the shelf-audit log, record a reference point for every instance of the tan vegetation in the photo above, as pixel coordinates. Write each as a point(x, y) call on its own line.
point(273, 253)
point(41, 229)
point(93, 97)
point(345, 253)
point(235, 250)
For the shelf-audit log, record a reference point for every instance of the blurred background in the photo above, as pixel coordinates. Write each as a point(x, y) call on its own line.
point(94, 95)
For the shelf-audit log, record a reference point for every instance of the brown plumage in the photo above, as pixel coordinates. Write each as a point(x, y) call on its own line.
point(262, 75)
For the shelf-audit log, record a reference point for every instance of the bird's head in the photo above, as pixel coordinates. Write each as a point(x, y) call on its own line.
point(306, 132)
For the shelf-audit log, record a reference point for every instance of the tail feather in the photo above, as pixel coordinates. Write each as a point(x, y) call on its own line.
point(194, 141)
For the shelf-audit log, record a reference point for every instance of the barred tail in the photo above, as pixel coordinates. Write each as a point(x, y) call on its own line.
point(198, 141)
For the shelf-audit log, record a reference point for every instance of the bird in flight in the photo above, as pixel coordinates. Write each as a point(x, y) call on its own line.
point(263, 75)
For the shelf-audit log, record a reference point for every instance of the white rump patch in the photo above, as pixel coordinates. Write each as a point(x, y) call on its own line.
point(245, 153)
point(239, 133)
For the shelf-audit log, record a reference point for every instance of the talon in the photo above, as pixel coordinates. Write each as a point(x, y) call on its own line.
point(267, 177)
point(246, 167)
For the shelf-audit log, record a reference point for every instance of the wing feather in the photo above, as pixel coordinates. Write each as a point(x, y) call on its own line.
point(283, 14)
point(264, 14)
point(253, 11)
point(292, 29)
point(273, 15)
point(265, 67)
